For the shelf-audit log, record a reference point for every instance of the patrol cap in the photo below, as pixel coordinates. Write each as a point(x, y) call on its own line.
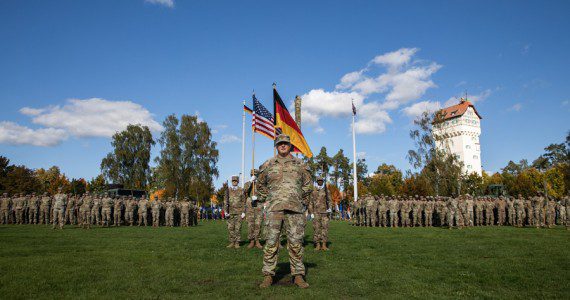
point(235, 178)
point(282, 138)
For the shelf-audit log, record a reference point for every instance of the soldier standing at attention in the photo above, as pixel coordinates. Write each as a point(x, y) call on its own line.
point(85, 211)
point(155, 209)
point(117, 208)
point(34, 205)
point(371, 208)
point(5, 203)
point(285, 183)
point(169, 213)
point(320, 210)
point(95, 215)
point(393, 206)
point(184, 207)
point(234, 203)
point(143, 211)
point(60, 200)
point(130, 205)
point(254, 215)
point(106, 206)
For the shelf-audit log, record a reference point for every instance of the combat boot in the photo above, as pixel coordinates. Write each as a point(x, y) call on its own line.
point(267, 281)
point(231, 245)
point(300, 282)
point(324, 247)
point(258, 244)
point(236, 245)
point(318, 246)
point(251, 244)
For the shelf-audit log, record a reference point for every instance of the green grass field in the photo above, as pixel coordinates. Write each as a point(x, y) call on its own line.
point(133, 262)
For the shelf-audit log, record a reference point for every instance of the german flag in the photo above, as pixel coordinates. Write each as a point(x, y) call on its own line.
point(287, 125)
point(247, 109)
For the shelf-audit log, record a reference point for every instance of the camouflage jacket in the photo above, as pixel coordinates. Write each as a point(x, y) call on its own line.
point(235, 201)
point(318, 204)
point(284, 184)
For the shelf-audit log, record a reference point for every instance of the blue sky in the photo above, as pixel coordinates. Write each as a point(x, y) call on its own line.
point(72, 72)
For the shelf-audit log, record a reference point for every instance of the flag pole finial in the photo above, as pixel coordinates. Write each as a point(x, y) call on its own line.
point(274, 85)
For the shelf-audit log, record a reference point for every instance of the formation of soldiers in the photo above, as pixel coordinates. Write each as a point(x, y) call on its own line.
point(399, 211)
point(96, 209)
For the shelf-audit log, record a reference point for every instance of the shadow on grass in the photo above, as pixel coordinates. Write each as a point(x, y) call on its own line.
point(283, 276)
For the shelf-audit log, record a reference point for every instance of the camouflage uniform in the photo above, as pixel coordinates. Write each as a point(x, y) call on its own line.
point(117, 209)
point(33, 206)
point(285, 185)
point(106, 205)
point(254, 216)
point(479, 207)
point(382, 221)
point(393, 206)
point(95, 211)
point(235, 207)
point(318, 207)
point(567, 208)
point(156, 205)
point(429, 209)
point(70, 210)
point(130, 205)
point(143, 211)
point(45, 204)
point(453, 215)
point(85, 205)
point(185, 213)
point(470, 221)
point(5, 204)
point(519, 206)
point(169, 212)
point(59, 203)
point(512, 215)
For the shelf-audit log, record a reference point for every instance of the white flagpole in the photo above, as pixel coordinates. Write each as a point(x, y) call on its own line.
point(354, 159)
point(243, 146)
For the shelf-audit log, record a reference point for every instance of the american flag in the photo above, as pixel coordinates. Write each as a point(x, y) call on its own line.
point(262, 120)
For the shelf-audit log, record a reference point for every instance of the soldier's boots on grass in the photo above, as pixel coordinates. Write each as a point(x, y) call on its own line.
point(231, 245)
point(236, 245)
point(324, 247)
point(251, 244)
point(318, 246)
point(300, 282)
point(258, 244)
point(267, 281)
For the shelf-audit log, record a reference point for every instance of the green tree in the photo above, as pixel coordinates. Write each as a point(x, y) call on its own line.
point(97, 184)
point(436, 163)
point(20, 179)
point(128, 164)
point(188, 159)
point(340, 166)
point(52, 179)
point(473, 184)
point(78, 186)
point(323, 162)
point(362, 171)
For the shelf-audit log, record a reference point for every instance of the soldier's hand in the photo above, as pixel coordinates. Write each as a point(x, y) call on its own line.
point(242, 215)
point(254, 198)
point(312, 216)
point(253, 178)
point(329, 210)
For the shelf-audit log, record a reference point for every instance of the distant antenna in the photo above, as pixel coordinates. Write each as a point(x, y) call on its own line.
point(463, 99)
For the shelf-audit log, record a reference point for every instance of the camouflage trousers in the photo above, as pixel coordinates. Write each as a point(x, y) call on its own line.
point(71, 217)
point(294, 225)
point(85, 218)
point(5, 216)
point(512, 216)
point(33, 216)
point(454, 215)
point(370, 216)
point(184, 218)
point(479, 219)
point(567, 216)
point(155, 218)
point(130, 217)
point(169, 217)
point(106, 213)
point(394, 218)
point(58, 217)
point(254, 217)
point(320, 228)
point(142, 217)
point(234, 227)
point(95, 216)
point(117, 217)
point(44, 215)
point(19, 216)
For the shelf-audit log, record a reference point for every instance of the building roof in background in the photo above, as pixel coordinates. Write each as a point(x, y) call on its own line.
point(457, 110)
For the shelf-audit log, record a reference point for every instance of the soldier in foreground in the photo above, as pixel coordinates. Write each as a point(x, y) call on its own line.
point(234, 202)
point(285, 183)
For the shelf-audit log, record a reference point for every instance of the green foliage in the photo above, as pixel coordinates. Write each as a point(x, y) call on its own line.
point(188, 160)
point(473, 184)
point(387, 180)
point(78, 186)
point(97, 184)
point(128, 164)
point(19, 179)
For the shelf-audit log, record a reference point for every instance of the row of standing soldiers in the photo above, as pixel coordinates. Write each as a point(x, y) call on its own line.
point(395, 211)
point(92, 209)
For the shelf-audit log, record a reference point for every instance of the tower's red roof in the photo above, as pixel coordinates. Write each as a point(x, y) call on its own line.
point(456, 111)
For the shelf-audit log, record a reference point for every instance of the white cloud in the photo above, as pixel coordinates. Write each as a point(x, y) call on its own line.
point(417, 109)
point(565, 102)
point(167, 3)
point(402, 79)
point(14, 134)
point(92, 117)
point(525, 49)
point(229, 138)
point(516, 107)
point(361, 155)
